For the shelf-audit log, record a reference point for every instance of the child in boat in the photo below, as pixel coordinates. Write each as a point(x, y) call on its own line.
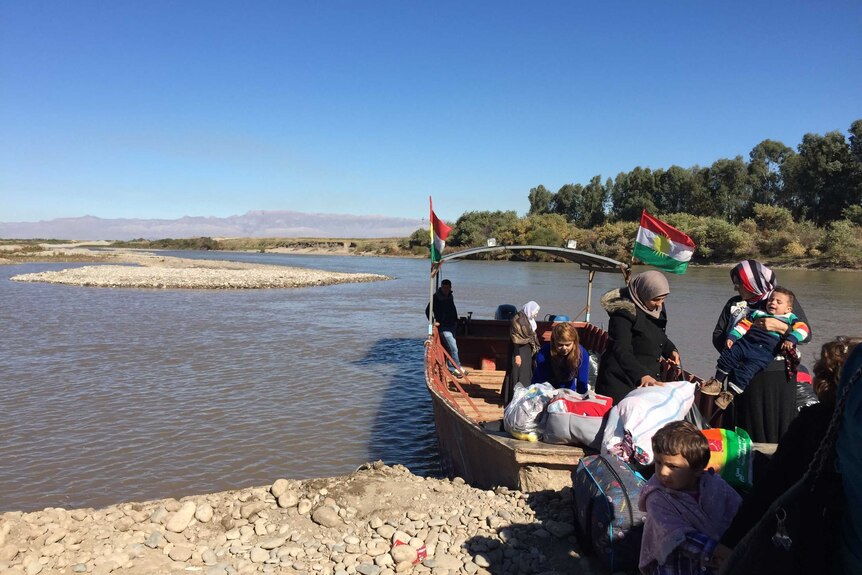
point(750, 348)
point(687, 509)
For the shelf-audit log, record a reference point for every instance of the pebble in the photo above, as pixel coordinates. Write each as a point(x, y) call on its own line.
point(279, 487)
point(181, 519)
point(403, 553)
point(288, 499)
point(8, 552)
point(180, 553)
point(204, 513)
point(304, 506)
point(326, 516)
point(259, 555)
point(372, 522)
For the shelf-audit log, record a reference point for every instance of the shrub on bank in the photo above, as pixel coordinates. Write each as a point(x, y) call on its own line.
point(843, 244)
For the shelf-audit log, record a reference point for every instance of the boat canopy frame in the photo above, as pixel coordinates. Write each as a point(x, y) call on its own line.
point(586, 260)
point(592, 263)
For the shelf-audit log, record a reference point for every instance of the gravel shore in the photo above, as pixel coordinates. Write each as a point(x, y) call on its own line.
point(379, 520)
point(155, 271)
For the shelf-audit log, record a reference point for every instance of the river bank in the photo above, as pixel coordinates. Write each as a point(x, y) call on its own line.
point(139, 269)
point(379, 520)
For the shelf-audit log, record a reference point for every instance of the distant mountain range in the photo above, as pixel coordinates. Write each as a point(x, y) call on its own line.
point(255, 224)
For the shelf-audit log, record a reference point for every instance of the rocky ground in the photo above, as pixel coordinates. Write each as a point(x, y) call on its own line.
point(157, 271)
point(379, 520)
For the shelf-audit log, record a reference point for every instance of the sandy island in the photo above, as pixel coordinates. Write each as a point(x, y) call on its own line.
point(138, 269)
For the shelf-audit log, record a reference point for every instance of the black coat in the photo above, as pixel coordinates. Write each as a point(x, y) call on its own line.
point(445, 312)
point(787, 466)
point(637, 342)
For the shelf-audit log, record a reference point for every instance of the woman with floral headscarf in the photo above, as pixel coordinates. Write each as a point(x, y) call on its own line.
point(636, 326)
point(768, 405)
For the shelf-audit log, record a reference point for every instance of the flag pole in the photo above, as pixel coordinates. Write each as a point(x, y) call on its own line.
point(431, 278)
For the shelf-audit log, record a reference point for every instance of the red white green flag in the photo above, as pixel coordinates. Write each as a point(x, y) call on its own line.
point(439, 233)
point(663, 246)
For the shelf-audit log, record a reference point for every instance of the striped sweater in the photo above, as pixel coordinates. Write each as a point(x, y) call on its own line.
point(797, 333)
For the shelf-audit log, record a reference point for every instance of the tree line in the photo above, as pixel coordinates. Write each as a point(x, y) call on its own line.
point(820, 181)
point(800, 206)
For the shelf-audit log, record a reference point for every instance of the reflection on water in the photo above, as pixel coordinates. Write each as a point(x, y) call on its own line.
point(113, 394)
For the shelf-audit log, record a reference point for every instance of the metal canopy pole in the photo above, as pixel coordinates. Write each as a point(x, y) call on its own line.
point(591, 275)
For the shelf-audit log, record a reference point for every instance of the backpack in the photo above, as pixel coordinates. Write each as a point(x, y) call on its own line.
point(607, 519)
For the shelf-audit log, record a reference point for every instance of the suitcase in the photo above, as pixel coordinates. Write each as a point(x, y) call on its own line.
point(576, 419)
point(608, 522)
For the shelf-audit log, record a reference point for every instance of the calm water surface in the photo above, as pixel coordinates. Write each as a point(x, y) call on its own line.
point(116, 395)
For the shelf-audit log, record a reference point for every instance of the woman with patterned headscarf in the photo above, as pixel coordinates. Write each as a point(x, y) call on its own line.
point(768, 405)
point(525, 344)
point(637, 342)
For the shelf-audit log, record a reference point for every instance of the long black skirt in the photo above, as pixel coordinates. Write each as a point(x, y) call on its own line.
point(767, 406)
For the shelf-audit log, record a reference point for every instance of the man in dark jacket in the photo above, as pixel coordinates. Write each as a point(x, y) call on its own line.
point(446, 317)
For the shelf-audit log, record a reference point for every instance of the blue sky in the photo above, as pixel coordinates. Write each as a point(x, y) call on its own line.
point(161, 109)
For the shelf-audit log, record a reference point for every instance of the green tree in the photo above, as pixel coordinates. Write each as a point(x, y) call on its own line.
point(541, 200)
point(676, 187)
point(855, 178)
point(856, 140)
point(546, 230)
point(634, 192)
point(765, 172)
point(565, 200)
point(583, 206)
point(474, 228)
point(421, 238)
point(728, 187)
point(821, 178)
point(592, 212)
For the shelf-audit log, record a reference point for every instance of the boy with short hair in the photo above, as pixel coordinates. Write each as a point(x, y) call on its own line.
point(687, 510)
point(750, 348)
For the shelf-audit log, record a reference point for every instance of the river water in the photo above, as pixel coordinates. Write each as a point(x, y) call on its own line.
point(114, 395)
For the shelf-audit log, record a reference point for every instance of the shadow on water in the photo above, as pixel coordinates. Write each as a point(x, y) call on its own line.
point(399, 362)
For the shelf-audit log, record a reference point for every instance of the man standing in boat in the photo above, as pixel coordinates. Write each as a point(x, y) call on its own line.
point(446, 316)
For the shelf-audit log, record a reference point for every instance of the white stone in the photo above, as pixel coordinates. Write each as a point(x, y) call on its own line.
point(259, 555)
point(403, 553)
point(204, 513)
point(181, 519)
point(326, 516)
point(288, 499)
point(209, 557)
point(181, 553)
point(279, 487)
point(8, 552)
point(272, 542)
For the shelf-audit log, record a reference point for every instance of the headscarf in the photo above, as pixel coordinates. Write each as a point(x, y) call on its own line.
point(531, 311)
point(646, 286)
point(754, 277)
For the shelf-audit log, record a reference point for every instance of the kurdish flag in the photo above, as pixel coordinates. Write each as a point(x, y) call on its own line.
point(663, 246)
point(439, 233)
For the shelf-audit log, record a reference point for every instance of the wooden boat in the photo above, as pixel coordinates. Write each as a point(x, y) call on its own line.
point(468, 411)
